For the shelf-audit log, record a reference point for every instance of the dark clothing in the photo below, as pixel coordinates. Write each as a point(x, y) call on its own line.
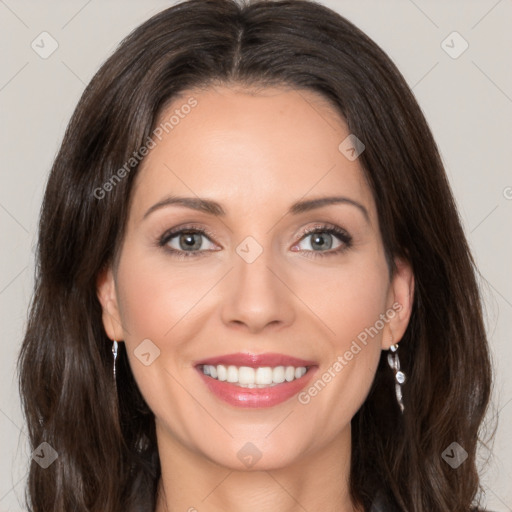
point(383, 503)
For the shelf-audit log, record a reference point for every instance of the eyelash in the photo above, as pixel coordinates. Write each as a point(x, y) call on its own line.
point(341, 234)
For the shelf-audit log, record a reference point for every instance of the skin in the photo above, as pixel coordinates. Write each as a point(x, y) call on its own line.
point(255, 153)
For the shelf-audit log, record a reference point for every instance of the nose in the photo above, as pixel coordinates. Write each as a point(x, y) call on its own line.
point(257, 295)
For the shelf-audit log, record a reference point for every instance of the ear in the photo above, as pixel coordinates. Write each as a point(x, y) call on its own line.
point(106, 291)
point(400, 301)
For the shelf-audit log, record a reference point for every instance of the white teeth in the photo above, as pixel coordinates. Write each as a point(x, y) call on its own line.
point(289, 373)
point(222, 373)
point(278, 374)
point(248, 377)
point(299, 372)
point(264, 375)
point(232, 374)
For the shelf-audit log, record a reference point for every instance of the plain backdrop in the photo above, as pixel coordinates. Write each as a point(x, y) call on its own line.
point(466, 97)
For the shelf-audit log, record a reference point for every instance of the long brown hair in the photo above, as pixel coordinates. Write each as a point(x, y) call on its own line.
point(105, 439)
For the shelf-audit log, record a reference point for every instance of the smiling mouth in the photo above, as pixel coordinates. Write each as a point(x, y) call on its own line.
point(254, 377)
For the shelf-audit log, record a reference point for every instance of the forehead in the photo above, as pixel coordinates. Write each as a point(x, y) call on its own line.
point(249, 150)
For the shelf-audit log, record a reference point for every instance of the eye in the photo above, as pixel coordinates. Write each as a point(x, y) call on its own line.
point(186, 242)
point(321, 240)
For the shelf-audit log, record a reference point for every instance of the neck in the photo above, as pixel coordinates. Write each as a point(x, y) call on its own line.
point(317, 481)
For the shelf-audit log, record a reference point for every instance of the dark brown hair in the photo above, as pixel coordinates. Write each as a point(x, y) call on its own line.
point(105, 440)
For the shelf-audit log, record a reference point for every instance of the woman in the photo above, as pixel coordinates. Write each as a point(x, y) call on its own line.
point(253, 288)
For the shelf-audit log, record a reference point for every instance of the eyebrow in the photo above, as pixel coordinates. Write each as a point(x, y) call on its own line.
point(214, 208)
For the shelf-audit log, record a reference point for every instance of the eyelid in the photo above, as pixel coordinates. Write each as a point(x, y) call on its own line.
point(322, 226)
point(177, 230)
point(344, 237)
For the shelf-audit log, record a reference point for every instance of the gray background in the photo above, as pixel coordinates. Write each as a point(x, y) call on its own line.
point(467, 101)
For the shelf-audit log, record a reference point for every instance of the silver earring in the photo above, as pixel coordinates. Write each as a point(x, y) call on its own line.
point(394, 363)
point(114, 351)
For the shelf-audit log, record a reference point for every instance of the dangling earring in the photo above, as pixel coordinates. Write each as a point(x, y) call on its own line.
point(114, 351)
point(394, 363)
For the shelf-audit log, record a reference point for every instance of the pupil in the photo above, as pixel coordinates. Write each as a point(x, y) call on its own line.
point(321, 244)
point(189, 242)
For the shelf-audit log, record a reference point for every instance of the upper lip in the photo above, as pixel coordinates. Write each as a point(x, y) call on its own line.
point(256, 360)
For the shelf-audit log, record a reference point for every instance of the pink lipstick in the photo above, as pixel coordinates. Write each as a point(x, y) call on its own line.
point(255, 380)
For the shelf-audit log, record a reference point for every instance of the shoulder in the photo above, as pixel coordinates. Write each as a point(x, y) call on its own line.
point(383, 503)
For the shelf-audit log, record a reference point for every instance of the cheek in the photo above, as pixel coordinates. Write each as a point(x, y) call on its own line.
point(157, 295)
point(351, 304)
point(360, 323)
point(347, 299)
point(159, 301)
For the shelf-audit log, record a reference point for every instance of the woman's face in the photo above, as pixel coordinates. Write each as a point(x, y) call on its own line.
point(256, 284)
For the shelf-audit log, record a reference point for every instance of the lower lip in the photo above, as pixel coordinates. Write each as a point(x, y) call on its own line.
point(256, 397)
